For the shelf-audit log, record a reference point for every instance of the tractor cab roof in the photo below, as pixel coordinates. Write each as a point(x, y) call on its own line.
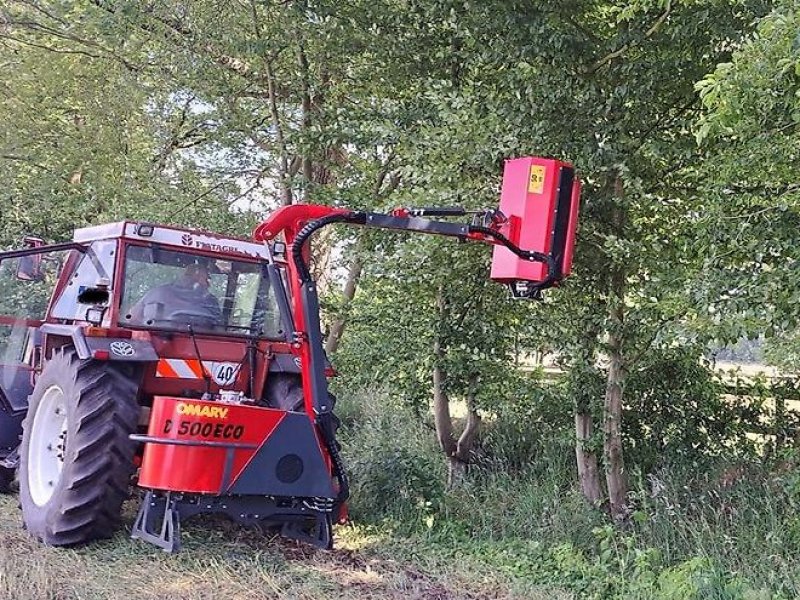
point(167, 235)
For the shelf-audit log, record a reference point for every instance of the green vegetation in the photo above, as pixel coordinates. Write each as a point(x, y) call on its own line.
point(522, 532)
point(222, 561)
point(711, 525)
point(637, 472)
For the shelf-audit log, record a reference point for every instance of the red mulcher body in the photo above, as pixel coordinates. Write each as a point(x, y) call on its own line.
point(234, 416)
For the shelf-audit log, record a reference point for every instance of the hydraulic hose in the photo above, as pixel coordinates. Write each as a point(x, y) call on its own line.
point(326, 427)
point(325, 419)
point(359, 218)
point(553, 272)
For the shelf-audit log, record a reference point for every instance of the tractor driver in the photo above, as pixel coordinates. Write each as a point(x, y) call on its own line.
point(185, 301)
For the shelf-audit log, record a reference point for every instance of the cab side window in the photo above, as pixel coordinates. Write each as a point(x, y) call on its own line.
point(25, 297)
point(96, 264)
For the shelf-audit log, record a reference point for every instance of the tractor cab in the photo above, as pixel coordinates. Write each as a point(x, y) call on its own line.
point(202, 313)
point(167, 279)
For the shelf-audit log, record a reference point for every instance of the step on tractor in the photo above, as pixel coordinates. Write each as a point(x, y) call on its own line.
point(191, 365)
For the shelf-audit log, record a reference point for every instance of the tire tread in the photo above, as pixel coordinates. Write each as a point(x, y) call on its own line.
point(105, 413)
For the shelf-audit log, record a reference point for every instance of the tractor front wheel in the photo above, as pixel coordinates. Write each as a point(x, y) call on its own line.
point(6, 480)
point(76, 458)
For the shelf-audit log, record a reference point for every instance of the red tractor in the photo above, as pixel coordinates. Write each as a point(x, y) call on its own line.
point(193, 364)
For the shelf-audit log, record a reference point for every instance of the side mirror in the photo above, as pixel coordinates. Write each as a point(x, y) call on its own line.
point(29, 268)
point(96, 297)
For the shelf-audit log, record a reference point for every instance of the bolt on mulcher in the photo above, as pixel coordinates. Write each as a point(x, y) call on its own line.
point(194, 363)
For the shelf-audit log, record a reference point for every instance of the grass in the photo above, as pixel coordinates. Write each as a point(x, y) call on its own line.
point(222, 560)
point(516, 528)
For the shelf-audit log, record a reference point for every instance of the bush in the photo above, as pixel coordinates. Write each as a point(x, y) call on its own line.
point(677, 413)
point(395, 469)
point(726, 531)
point(529, 431)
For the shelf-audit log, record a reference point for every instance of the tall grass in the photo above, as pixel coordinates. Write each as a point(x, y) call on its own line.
point(396, 471)
point(744, 519)
point(727, 532)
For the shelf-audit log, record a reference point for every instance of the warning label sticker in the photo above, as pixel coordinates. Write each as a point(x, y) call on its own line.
point(536, 180)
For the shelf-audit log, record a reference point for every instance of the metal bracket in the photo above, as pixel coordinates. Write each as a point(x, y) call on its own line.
point(319, 535)
point(153, 508)
point(11, 460)
point(525, 290)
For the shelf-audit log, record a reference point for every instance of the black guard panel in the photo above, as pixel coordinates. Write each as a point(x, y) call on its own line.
point(289, 463)
point(284, 363)
point(15, 387)
point(10, 431)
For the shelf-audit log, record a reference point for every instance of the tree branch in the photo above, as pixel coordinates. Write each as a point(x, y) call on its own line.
point(47, 30)
point(598, 64)
point(26, 160)
point(180, 31)
point(48, 48)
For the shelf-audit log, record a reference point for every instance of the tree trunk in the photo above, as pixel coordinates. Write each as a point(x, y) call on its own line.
point(441, 406)
point(357, 262)
point(284, 183)
point(457, 452)
point(585, 453)
point(353, 276)
point(459, 461)
point(780, 426)
point(616, 477)
point(305, 111)
point(588, 471)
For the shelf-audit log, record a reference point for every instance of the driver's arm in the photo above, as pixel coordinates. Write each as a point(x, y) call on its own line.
point(211, 304)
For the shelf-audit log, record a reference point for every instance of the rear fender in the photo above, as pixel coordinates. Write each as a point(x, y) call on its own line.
point(113, 349)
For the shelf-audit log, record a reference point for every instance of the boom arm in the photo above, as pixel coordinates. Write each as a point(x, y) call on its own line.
point(540, 200)
point(300, 221)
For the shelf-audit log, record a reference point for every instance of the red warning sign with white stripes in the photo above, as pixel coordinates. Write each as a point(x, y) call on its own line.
point(222, 373)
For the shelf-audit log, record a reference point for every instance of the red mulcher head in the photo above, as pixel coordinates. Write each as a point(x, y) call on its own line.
point(540, 198)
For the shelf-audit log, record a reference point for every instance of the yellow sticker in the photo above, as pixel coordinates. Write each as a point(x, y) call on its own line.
point(536, 180)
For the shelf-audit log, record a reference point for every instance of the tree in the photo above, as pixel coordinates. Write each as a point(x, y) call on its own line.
point(367, 103)
point(750, 132)
point(610, 87)
point(95, 132)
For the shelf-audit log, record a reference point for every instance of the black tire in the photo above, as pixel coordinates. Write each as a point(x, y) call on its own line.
point(284, 391)
point(101, 412)
point(6, 481)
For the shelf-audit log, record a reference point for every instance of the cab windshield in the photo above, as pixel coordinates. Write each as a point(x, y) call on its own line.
point(166, 289)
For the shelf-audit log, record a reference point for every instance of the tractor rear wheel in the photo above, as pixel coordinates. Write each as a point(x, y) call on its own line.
point(76, 458)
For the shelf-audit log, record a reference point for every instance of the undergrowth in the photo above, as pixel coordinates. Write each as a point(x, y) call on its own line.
point(723, 530)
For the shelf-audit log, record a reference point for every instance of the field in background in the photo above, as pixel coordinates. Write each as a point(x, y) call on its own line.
point(223, 561)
